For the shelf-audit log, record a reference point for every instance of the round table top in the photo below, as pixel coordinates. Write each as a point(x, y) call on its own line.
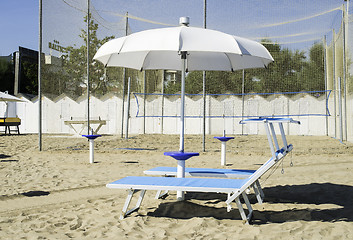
point(91, 136)
point(224, 139)
point(181, 155)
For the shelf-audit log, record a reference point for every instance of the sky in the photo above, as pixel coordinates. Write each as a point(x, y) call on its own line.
point(246, 18)
point(18, 24)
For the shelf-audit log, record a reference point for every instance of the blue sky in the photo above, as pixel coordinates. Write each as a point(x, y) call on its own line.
point(19, 25)
point(19, 18)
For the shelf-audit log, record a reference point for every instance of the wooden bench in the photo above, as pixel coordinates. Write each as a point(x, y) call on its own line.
point(10, 122)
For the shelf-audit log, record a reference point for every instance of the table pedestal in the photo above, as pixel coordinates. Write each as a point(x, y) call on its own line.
point(181, 157)
point(223, 148)
point(91, 146)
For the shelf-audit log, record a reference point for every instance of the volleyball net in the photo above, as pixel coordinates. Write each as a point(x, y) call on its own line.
point(285, 104)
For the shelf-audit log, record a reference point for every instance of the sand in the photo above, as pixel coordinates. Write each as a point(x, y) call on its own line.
point(57, 194)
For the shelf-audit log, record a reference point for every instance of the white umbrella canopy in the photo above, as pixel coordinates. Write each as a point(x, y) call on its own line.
point(9, 98)
point(161, 48)
point(4, 97)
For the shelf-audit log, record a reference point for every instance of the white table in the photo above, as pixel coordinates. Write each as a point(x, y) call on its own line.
point(83, 124)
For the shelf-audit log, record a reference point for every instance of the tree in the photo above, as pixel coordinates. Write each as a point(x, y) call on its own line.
point(6, 76)
point(75, 63)
point(282, 74)
point(312, 78)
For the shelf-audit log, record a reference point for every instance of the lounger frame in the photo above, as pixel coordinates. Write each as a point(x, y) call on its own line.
point(234, 188)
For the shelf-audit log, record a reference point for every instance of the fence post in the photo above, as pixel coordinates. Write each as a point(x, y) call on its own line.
point(162, 121)
point(340, 109)
point(242, 101)
point(39, 75)
point(326, 85)
point(127, 110)
point(334, 81)
point(144, 101)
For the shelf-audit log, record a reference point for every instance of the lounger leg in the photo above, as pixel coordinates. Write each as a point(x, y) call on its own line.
point(125, 210)
point(241, 210)
point(257, 183)
point(274, 136)
point(257, 193)
point(229, 205)
point(269, 138)
point(163, 195)
point(283, 134)
point(139, 200)
point(248, 205)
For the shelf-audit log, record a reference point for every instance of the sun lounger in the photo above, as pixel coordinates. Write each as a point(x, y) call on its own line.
point(229, 173)
point(208, 172)
point(201, 172)
point(233, 187)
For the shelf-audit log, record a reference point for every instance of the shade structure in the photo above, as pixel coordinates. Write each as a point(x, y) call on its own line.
point(4, 97)
point(185, 49)
point(9, 98)
point(162, 49)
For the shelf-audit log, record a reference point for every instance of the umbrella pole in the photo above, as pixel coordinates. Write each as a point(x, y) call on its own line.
point(181, 164)
point(182, 103)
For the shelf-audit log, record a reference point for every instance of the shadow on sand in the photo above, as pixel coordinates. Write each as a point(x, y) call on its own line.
point(313, 194)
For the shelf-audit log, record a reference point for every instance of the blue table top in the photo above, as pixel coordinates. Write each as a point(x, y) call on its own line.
point(181, 155)
point(224, 139)
point(91, 136)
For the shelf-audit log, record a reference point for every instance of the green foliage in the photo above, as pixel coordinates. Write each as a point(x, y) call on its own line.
point(290, 72)
point(29, 79)
point(312, 76)
point(75, 64)
point(6, 76)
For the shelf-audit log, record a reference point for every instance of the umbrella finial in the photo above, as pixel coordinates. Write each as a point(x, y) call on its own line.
point(184, 21)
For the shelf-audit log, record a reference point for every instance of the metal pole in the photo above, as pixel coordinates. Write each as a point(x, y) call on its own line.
point(204, 89)
point(344, 73)
point(128, 109)
point(334, 80)
point(144, 102)
point(124, 77)
point(123, 105)
point(242, 101)
point(182, 103)
point(40, 76)
point(162, 121)
point(88, 87)
point(326, 85)
point(340, 109)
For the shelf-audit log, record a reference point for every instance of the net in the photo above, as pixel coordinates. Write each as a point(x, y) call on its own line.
point(307, 40)
point(231, 105)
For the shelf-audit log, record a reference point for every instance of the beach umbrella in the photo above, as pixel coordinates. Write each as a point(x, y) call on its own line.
point(185, 49)
point(4, 97)
point(9, 98)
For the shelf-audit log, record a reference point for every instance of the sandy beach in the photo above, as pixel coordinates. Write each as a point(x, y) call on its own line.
point(58, 194)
